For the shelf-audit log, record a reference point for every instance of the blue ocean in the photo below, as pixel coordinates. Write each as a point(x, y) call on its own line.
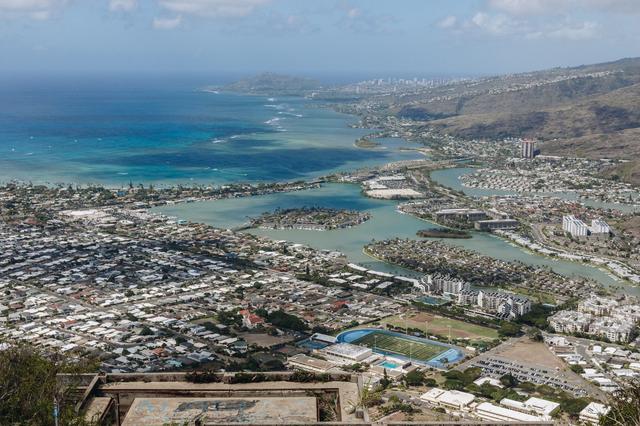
point(118, 129)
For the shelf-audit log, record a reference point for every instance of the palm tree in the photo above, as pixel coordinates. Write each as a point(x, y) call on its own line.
point(367, 397)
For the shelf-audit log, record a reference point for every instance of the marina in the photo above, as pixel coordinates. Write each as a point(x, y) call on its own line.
point(386, 222)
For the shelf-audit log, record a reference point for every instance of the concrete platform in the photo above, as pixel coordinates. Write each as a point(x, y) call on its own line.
point(162, 411)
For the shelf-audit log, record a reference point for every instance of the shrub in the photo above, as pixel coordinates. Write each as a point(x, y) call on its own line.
point(206, 376)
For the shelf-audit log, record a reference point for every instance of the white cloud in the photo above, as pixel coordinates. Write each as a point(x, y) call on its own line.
point(122, 5)
point(618, 6)
point(499, 24)
point(360, 20)
point(448, 22)
point(213, 8)
point(284, 24)
point(354, 12)
point(40, 15)
point(551, 7)
point(582, 31)
point(528, 7)
point(39, 10)
point(167, 23)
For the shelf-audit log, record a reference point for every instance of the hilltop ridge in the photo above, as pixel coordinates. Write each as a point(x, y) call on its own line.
point(273, 84)
point(590, 111)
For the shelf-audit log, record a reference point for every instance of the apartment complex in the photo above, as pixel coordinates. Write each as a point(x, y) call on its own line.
point(578, 228)
point(496, 303)
point(528, 148)
point(599, 316)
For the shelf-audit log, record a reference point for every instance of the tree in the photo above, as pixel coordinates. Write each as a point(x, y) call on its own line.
point(368, 397)
point(471, 374)
point(625, 406)
point(573, 406)
point(273, 365)
point(453, 384)
point(414, 378)
point(577, 369)
point(385, 382)
point(282, 319)
point(509, 381)
point(146, 331)
point(430, 382)
point(509, 329)
point(535, 335)
point(28, 386)
point(229, 318)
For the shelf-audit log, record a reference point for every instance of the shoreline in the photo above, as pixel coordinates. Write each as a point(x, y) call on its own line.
point(559, 258)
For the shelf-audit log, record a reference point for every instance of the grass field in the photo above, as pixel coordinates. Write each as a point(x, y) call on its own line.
point(420, 351)
point(439, 325)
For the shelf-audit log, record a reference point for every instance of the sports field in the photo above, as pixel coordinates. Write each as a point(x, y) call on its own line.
point(436, 324)
point(420, 351)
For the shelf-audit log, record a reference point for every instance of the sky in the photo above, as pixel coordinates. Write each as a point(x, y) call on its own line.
point(369, 37)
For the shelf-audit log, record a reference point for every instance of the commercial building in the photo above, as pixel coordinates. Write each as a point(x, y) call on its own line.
point(448, 398)
point(535, 406)
point(307, 363)
point(488, 411)
point(346, 353)
point(591, 413)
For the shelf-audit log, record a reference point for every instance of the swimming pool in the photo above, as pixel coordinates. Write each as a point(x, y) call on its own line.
point(389, 364)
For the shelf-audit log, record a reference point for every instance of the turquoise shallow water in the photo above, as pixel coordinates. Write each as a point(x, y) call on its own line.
point(167, 131)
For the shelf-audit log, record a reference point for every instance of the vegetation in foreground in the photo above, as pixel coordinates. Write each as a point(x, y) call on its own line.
point(29, 390)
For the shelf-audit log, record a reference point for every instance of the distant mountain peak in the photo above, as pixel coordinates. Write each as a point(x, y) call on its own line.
point(273, 83)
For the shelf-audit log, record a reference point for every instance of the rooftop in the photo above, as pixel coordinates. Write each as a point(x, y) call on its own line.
point(161, 411)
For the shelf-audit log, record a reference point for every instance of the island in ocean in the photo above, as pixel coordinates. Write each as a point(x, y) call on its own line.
point(273, 84)
point(310, 218)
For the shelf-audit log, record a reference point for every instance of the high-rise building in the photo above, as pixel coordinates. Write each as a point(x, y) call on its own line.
point(528, 148)
point(574, 226)
point(599, 226)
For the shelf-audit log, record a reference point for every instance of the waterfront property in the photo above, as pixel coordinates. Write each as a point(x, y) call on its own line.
point(402, 346)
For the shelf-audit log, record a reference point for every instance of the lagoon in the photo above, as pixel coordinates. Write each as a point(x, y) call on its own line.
point(386, 222)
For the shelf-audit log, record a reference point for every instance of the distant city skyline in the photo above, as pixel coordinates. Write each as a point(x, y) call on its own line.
point(369, 38)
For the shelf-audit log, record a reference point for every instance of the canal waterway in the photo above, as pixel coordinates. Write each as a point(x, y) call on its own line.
point(386, 222)
point(451, 178)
